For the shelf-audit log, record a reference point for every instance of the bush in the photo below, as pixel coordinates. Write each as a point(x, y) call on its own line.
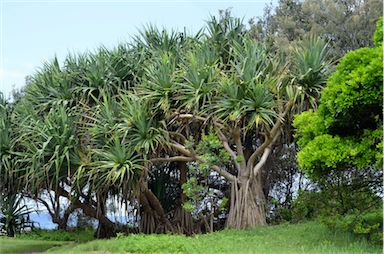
point(308, 205)
point(368, 225)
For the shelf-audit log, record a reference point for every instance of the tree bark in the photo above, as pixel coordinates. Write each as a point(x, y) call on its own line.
point(247, 208)
point(108, 227)
point(62, 222)
point(153, 218)
point(182, 219)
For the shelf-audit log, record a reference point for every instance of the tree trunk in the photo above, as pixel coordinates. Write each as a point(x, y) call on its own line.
point(247, 208)
point(182, 219)
point(106, 227)
point(153, 218)
point(10, 231)
point(61, 224)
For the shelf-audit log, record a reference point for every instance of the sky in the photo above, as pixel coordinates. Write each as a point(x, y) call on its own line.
point(32, 32)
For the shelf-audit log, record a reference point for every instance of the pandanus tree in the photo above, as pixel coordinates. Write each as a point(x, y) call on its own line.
point(52, 117)
point(253, 94)
point(124, 137)
point(14, 215)
point(6, 143)
point(94, 127)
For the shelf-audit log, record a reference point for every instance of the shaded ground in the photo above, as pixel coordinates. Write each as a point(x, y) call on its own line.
point(14, 246)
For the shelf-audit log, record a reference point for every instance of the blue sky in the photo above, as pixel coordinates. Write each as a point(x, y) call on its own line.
point(34, 31)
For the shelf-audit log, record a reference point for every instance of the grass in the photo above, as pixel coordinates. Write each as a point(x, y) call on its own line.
point(77, 235)
point(40, 240)
point(14, 246)
point(310, 237)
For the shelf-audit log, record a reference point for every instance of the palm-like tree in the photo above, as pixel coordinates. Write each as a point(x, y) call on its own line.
point(255, 94)
point(91, 128)
point(199, 76)
point(310, 68)
point(6, 157)
point(14, 215)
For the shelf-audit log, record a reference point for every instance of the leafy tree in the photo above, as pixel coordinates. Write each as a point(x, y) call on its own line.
point(343, 138)
point(346, 25)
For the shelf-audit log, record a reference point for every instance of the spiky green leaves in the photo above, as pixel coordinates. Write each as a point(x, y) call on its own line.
point(140, 127)
point(114, 166)
point(199, 78)
point(47, 146)
point(159, 82)
point(14, 214)
point(245, 94)
point(310, 68)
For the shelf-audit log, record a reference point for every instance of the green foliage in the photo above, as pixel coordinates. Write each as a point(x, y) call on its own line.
point(346, 130)
point(160, 81)
point(200, 76)
point(339, 192)
point(317, 160)
point(346, 25)
point(311, 65)
point(353, 93)
point(197, 186)
point(369, 224)
point(308, 125)
point(307, 206)
point(47, 142)
point(14, 215)
point(193, 190)
point(115, 165)
point(212, 151)
point(378, 35)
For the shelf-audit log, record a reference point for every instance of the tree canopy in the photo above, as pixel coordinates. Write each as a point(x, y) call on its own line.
point(346, 130)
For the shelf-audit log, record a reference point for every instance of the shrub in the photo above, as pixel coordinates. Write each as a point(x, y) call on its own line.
point(368, 225)
point(308, 205)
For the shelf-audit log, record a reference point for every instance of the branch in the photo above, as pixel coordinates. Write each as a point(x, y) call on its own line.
point(185, 151)
point(263, 160)
point(181, 149)
point(224, 173)
point(270, 137)
point(239, 148)
point(191, 116)
point(47, 206)
point(177, 134)
point(171, 159)
point(199, 118)
point(226, 146)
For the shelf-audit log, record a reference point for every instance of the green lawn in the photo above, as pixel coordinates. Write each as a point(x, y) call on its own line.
point(13, 246)
point(300, 238)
